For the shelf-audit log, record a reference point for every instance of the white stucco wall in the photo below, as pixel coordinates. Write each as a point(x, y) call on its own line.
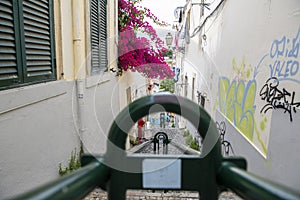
point(37, 133)
point(101, 106)
point(247, 43)
point(40, 128)
point(43, 123)
point(137, 84)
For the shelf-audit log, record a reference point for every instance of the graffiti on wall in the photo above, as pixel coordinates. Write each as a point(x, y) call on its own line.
point(278, 98)
point(284, 54)
point(237, 98)
point(226, 145)
point(248, 98)
point(283, 61)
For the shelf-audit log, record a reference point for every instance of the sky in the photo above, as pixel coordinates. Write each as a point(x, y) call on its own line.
point(163, 9)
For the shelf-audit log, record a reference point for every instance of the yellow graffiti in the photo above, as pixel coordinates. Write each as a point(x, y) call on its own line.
point(242, 72)
point(236, 102)
point(237, 98)
point(264, 148)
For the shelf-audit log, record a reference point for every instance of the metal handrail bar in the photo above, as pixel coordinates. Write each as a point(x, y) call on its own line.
point(250, 186)
point(75, 185)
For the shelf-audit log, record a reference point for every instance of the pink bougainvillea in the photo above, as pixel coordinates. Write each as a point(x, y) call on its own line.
point(137, 53)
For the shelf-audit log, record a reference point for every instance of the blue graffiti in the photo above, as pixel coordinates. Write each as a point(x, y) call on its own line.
point(280, 48)
point(285, 53)
point(259, 64)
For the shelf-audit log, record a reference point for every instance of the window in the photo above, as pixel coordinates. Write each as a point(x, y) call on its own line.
point(98, 36)
point(26, 42)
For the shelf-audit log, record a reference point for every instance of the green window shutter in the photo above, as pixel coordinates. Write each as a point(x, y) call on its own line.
point(10, 71)
point(95, 37)
point(98, 36)
point(103, 33)
point(38, 40)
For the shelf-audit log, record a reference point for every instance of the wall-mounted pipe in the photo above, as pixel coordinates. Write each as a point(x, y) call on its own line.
point(78, 17)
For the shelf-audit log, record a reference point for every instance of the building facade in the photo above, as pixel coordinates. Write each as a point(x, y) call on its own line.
point(240, 60)
point(57, 90)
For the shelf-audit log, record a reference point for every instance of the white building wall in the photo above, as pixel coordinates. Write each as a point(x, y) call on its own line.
point(248, 42)
point(132, 86)
point(43, 123)
point(37, 133)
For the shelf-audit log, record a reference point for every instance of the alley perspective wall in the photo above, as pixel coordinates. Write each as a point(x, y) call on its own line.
point(246, 56)
point(42, 123)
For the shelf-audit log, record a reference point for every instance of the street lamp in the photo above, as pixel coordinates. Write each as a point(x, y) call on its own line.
point(169, 39)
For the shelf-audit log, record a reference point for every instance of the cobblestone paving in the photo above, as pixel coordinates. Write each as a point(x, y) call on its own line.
point(98, 194)
point(177, 136)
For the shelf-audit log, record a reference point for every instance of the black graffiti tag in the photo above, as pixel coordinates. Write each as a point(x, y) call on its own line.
point(278, 99)
point(226, 146)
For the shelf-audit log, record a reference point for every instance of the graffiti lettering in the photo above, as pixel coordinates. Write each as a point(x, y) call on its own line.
point(226, 146)
point(285, 55)
point(237, 104)
point(278, 99)
point(282, 68)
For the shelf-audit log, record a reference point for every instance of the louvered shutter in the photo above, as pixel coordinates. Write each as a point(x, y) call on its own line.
point(10, 71)
point(95, 38)
point(38, 40)
point(98, 36)
point(103, 34)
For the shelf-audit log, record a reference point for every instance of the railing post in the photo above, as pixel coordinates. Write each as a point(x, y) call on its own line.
point(115, 156)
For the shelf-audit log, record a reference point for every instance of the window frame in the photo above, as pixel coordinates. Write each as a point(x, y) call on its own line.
point(18, 20)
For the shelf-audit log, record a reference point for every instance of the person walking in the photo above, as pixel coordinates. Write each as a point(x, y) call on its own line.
point(140, 125)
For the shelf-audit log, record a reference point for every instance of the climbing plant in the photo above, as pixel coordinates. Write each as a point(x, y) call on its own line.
point(138, 53)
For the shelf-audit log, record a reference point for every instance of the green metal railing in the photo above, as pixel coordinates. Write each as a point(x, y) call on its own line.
point(72, 186)
point(208, 173)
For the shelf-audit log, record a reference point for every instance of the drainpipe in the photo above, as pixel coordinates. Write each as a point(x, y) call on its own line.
point(78, 17)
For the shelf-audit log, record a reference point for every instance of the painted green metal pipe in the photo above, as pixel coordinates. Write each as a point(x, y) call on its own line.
point(250, 186)
point(162, 102)
point(115, 156)
point(72, 186)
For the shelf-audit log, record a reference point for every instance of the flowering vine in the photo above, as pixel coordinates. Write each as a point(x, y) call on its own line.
point(137, 53)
